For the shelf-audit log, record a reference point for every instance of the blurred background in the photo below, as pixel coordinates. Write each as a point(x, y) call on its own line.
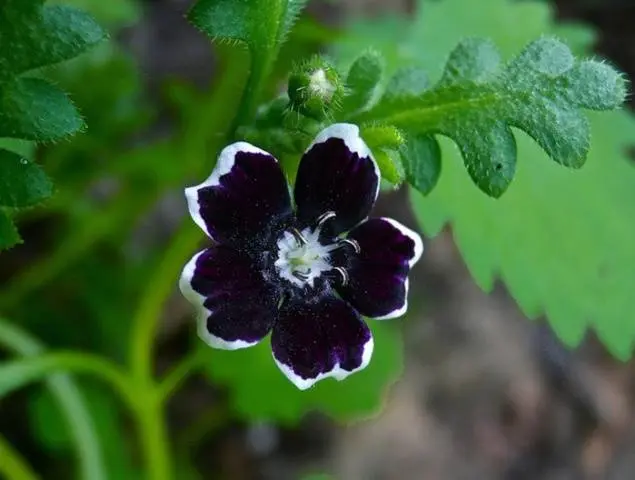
point(484, 393)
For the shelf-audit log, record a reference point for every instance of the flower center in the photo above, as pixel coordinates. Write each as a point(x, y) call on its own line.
point(302, 258)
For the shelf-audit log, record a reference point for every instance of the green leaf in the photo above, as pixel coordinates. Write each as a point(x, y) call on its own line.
point(362, 81)
point(251, 371)
point(9, 236)
point(421, 158)
point(78, 420)
point(22, 182)
point(24, 148)
point(260, 25)
point(34, 36)
point(476, 103)
point(116, 13)
point(405, 83)
point(389, 163)
point(36, 110)
point(560, 239)
point(385, 142)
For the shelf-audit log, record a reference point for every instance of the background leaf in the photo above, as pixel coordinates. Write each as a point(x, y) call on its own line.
point(251, 371)
point(560, 239)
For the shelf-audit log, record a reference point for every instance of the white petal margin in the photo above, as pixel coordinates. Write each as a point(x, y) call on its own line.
point(224, 165)
point(353, 141)
point(337, 372)
point(202, 313)
point(418, 247)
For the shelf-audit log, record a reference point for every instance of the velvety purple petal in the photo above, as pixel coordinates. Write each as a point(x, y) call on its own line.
point(378, 275)
point(235, 307)
point(337, 173)
point(320, 339)
point(243, 199)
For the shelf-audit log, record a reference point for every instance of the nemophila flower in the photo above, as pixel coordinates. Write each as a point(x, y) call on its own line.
point(292, 270)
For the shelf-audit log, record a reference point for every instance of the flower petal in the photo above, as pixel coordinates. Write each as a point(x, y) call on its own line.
point(378, 276)
point(325, 338)
point(245, 196)
point(337, 173)
point(235, 307)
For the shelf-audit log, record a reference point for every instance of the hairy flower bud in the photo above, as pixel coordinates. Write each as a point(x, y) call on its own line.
point(314, 89)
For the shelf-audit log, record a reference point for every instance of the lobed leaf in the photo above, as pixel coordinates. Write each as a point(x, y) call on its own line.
point(362, 81)
point(421, 157)
point(477, 101)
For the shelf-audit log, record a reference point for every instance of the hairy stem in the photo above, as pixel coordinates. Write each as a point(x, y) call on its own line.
point(259, 70)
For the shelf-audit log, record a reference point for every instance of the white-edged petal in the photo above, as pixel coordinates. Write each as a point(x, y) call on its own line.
point(337, 372)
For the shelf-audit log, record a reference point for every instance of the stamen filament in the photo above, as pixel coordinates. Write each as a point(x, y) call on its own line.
point(343, 273)
point(323, 218)
point(352, 243)
point(298, 236)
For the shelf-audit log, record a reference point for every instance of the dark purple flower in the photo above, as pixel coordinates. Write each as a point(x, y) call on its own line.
point(291, 270)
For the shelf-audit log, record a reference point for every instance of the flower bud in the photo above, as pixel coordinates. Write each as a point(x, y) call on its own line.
point(314, 89)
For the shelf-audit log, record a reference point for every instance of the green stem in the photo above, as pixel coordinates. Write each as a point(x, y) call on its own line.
point(18, 373)
point(154, 437)
point(150, 416)
point(71, 403)
point(259, 71)
point(428, 112)
point(163, 281)
point(12, 465)
point(178, 374)
point(193, 144)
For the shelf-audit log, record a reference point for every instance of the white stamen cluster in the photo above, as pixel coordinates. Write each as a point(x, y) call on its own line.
point(302, 258)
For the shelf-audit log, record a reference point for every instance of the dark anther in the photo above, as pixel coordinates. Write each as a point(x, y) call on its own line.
point(324, 217)
point(352, 243)
point(344, 275)
point(301, 276)
point(298, 236)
